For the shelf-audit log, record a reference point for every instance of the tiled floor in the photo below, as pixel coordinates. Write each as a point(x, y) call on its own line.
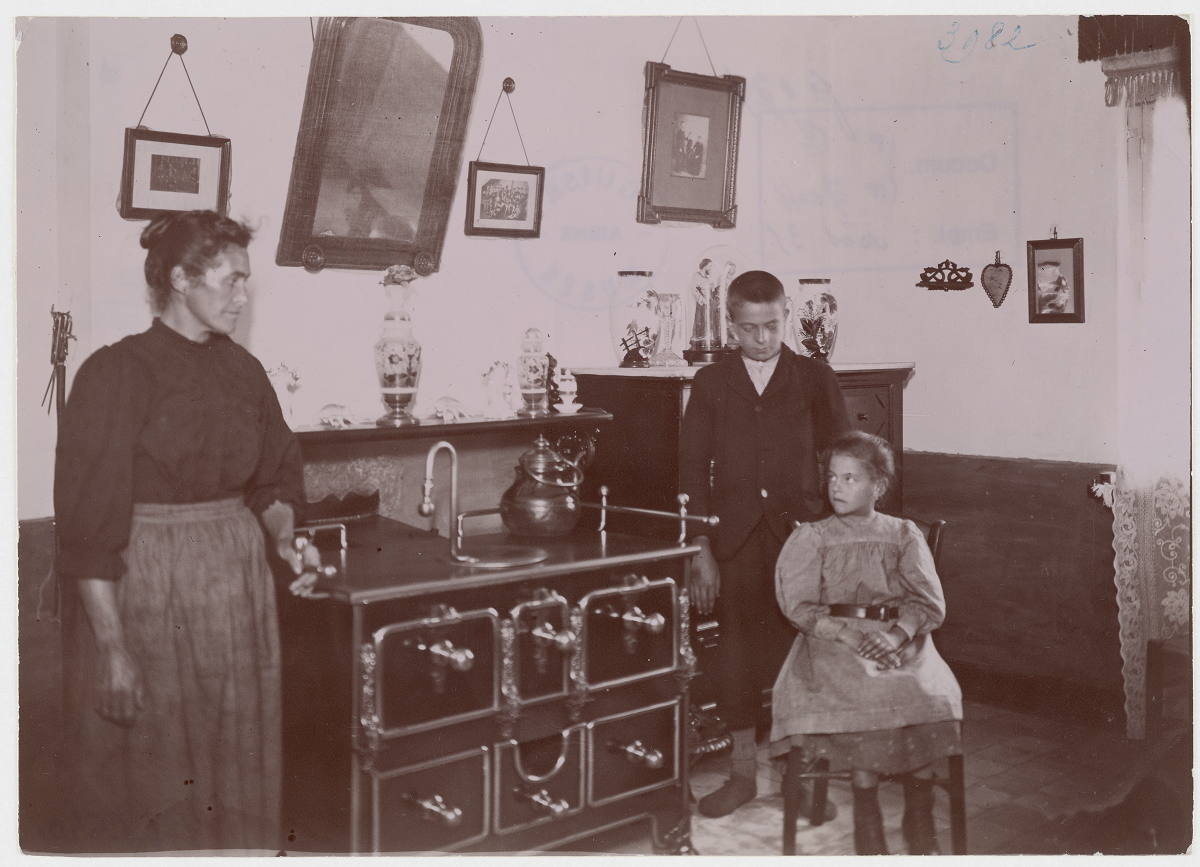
point(1021, 772)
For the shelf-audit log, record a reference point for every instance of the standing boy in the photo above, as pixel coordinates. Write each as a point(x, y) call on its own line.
point(754, 428)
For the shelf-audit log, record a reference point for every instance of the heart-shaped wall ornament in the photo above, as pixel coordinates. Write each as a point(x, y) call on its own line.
point(996, 278)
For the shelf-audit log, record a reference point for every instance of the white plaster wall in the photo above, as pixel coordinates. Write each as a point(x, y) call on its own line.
point(1154, 332)
point(37, 269)
point(850, 132)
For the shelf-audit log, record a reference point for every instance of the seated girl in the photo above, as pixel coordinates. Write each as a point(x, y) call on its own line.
point(863, 685)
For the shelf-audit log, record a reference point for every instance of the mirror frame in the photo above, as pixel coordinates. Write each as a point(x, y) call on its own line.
point(297, 244)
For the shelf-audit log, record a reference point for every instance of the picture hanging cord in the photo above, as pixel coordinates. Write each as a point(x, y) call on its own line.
point(508, 86)
point(178, 46)
point(702, 42)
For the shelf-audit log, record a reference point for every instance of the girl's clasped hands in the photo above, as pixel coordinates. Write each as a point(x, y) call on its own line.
point(881, 647)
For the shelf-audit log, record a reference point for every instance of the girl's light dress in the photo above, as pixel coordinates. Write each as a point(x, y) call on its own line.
point(827, 698)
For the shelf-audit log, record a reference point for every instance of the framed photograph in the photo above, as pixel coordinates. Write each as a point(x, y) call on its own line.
point(504, 201)
point(1056, 280)
point(690, 147)
point(170, 171)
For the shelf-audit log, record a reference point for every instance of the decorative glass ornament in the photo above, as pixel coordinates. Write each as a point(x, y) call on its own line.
point(568, 390)
point(532, 367)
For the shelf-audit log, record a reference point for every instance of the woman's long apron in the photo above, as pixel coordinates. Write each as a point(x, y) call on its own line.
point(200, 767)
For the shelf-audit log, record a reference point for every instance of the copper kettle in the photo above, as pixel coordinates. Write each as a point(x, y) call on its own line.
point(543, 500)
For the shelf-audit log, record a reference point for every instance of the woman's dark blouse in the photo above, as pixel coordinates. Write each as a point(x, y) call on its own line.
point(157, 418)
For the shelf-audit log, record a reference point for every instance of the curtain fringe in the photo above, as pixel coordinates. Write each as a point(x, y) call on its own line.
point(1141, 87)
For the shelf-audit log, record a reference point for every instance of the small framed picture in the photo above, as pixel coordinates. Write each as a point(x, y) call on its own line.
point(504, 201)
point(690, 147)
point(170, 171)
point(1056, 280)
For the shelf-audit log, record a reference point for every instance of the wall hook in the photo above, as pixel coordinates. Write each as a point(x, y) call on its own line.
point(506, 87)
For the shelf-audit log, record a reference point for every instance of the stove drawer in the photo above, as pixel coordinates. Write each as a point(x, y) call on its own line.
point(538, 781)
point(429, 672)
point(633, 752)
point(435, 806)
point(629, 632)
point(541, 647)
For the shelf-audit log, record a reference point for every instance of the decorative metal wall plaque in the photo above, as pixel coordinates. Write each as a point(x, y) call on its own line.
point(996, 278)
point(946, 275)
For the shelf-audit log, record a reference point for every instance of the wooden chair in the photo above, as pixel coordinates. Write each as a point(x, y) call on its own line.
point(1174, 654)
point(818, 771)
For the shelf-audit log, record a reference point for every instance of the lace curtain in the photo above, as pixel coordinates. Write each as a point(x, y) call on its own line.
point(1152, 541)
point(1151, 499)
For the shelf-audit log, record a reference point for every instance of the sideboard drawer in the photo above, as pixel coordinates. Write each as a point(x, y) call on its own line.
point(434, 806)
point(633, 752)
point(869, 410)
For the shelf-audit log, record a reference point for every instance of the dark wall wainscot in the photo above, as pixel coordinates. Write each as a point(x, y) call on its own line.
point(1027, 567)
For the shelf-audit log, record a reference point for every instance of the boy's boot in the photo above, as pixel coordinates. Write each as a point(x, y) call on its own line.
point(920, 837)
point(741, 786)
point(868, 823)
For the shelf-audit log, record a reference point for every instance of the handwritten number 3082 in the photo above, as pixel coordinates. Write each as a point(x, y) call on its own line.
point(968, 44)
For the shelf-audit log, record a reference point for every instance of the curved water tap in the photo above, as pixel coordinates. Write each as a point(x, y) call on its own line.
point(426, 507)
point(510, 556)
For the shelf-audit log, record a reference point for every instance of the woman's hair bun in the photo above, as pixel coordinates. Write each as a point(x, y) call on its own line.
point(158, 227)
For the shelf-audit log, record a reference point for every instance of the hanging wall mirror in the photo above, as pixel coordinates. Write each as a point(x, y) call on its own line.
point(380, 142)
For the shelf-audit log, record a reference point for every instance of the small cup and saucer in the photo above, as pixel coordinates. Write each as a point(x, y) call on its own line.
point(568, 408)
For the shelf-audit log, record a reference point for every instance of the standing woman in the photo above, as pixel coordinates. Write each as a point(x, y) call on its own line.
point(173, 459)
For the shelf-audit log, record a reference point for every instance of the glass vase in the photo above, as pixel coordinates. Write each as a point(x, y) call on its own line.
point(633, 318)
point(398, 365)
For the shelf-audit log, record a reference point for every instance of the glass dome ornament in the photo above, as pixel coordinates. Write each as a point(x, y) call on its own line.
point(711, 334)
point(670, 305)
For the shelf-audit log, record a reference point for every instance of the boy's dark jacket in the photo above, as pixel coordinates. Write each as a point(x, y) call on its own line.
point(758, 443)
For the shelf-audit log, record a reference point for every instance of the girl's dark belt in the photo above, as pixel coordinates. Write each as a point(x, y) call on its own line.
point(865, 612)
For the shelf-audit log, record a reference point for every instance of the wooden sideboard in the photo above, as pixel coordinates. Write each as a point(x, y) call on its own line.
point(432, 706)
point(637, 455)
